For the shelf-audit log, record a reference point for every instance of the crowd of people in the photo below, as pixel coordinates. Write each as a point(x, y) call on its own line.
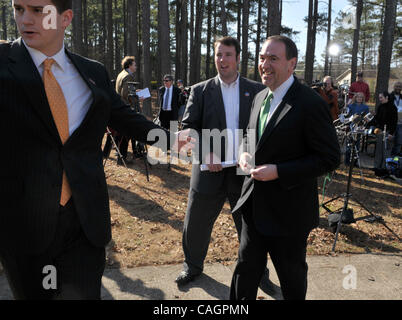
point(55, 207)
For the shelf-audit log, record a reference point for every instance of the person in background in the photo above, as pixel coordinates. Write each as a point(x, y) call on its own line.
point(386, 117)
point(330, 95)
point(356, 107)
point(183, 98)
point(129, 67)
point(359, 86)
point(169, 101)
point(396, 98)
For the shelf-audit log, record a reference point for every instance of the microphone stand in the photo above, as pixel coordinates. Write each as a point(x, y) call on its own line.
point(348, 197)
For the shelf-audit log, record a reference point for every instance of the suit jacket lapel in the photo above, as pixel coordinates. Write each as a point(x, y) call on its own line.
point(284, 107)
point(24, 70)
point(243, 104)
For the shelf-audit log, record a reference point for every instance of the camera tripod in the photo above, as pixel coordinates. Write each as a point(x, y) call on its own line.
point(141, 148)
point(348, 197)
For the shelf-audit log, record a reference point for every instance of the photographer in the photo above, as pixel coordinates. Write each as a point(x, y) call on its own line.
point(330, 95)
point(184, 94)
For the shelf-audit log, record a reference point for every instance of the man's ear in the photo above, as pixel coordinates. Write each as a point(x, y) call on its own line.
point(66, 18)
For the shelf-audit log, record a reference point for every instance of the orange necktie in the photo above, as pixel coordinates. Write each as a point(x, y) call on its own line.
point(58, 106)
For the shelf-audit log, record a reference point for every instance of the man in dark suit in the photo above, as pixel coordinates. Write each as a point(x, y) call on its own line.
point(54, 206)
point(169, 102)
point(219, 103)
point(296, 143)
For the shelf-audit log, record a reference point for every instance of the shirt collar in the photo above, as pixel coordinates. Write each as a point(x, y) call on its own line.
point(233, 84)
point(280, 92)
point(38, 57)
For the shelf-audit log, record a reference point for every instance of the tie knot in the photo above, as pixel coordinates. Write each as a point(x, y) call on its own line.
point(270, 97)
point(48, 64)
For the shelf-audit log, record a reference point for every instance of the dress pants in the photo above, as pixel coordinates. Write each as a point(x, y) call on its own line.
point(288, 254)
point(78, 264)
point(202, 212)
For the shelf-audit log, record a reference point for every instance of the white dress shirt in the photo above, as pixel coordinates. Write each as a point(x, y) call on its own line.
point(278, 95)
point(169, 103)
point(76, 92)
point(231, 101)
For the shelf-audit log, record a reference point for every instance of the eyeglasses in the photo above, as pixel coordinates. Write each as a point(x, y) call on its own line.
point(166, 80)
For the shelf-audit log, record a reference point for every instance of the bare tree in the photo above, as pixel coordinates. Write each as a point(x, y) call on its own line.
point(356, 34)
point(164, 38)
point(77, 27)
point(274, 18)
point(146, 75)
point(385, 49)
point(224, 19)
point(244, 41)
point(328, 37)
point(258, 41)
point(310, 46)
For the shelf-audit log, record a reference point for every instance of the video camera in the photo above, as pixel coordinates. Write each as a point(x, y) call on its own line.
point(132, 88)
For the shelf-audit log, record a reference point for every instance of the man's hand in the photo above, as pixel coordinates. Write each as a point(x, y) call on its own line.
point(266, 172)
point(245, 162)
point(213, 162)
point(183, 141)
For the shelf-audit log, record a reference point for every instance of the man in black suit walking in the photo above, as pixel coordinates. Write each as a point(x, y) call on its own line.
point(220, 103)
point(292, 141)
point(54, 206)
point(169, 101)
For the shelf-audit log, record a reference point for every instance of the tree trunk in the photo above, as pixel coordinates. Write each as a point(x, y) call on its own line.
point(385, 48)
point(109, 30)
point(239, 7)
point(184, 47)
point(85, 27)
point(77, 27)
point(197, 41)
point(164, 38)
point(208, 57)
point(4, 21)
point(147, 71)
point(244, 59)
point(328, 37)
point(132, 36)
point(356, 34)
point(224, 19)
point(257, 43)
point(274, 18)
point(311, 34)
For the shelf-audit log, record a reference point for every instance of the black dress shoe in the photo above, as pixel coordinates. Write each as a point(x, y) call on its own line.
point(185, 277)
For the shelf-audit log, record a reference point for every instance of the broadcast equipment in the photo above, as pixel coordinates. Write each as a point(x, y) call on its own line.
point(351, 128)
point(110, 135)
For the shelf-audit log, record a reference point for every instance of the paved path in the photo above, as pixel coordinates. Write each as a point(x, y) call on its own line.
point(341, 277)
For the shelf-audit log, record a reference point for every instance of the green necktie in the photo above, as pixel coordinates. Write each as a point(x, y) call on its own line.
point(264, 114)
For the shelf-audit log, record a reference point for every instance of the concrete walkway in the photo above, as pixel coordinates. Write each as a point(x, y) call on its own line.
point(341, 277)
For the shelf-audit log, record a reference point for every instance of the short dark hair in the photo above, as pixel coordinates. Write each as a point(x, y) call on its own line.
point(62, 5)
point(385, 94)
point(230, 42)
point(127, 61)
point(290, 46)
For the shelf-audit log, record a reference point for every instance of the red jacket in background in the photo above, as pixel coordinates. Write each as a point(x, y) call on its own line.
point(359, 87)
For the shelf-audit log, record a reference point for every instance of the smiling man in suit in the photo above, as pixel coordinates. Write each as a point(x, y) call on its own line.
point(294, 142)
point(220, 103)
point(54, 206)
